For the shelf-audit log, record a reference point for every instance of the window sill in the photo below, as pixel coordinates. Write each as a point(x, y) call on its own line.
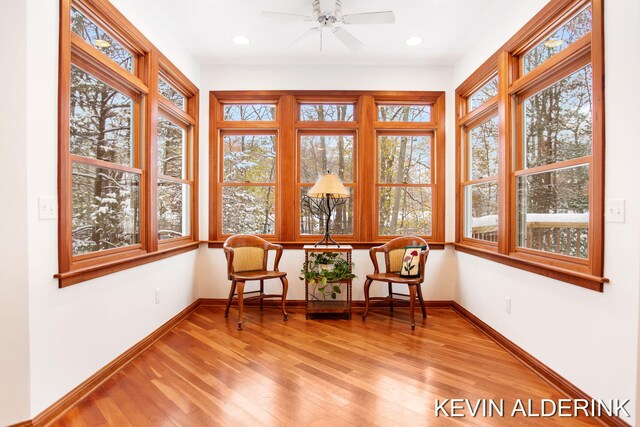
point(81, 275)
point(580, 279)
point(356, 245)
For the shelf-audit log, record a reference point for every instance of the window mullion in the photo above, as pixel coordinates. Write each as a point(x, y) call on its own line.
point(150, 159)
point(506, 211)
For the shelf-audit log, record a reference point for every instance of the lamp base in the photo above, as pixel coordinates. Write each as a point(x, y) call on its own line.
point(326, 239)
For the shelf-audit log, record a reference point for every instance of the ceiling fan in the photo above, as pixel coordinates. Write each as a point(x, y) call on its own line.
point(333, 22)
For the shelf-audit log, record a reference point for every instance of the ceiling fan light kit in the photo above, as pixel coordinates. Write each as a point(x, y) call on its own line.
point(334, 22)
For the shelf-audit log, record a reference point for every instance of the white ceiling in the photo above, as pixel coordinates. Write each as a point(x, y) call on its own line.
point(206, 28)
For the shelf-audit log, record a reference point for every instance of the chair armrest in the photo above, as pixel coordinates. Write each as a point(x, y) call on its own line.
point(278, 249)
point(374, 259)
point(423, 261)
point(228, 252)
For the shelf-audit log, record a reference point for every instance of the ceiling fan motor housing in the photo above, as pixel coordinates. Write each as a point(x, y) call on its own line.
point(327, 20)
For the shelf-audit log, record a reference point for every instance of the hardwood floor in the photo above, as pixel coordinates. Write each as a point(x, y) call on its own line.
point(327, 372)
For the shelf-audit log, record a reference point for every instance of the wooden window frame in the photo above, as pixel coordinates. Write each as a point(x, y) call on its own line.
point(404, 132)
point(141, 85)
point(221, 183)
point(352, 186)
point(489, 112)
point(513, 87)
point(364, 126)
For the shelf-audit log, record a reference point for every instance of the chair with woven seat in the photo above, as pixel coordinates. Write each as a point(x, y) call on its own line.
point(247, 261)
point(393, 256)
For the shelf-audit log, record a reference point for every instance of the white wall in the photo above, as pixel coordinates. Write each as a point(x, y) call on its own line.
point(589, 338)
point(77, 330)
point(440, 269)
point(14, 291)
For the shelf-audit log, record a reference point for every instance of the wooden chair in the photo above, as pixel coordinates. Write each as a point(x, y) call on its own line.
point(393, 253)
point(246, 261)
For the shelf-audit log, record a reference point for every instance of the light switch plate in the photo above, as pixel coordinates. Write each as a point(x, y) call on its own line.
point(615, 210)
point(47, 208)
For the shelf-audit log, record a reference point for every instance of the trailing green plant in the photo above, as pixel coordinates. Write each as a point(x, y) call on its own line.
point(318, 272)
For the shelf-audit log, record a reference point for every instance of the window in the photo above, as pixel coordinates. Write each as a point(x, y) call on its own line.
point(553, 180)
point(404, 113)
point(404, 184)
point(101, 40)
point(560, 39)
point(483, 94)
point(260, 186)
point(250, 112)
point(481, 181)
point(327, 112)
point(319, 154)
point(249, 183)
point(126, 190)
point(171, 94)
point(531, 151)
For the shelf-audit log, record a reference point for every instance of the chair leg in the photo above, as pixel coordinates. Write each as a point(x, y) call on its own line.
point(390, 296)
point(285, 288)
point(233, 291)
point(424, 309)
point(367, 285)
point(412, 300)
point(261, 294)
point(240, 304)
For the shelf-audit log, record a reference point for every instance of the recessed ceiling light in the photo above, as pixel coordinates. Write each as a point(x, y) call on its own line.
point(101, 43)
point(413, 41)
point(241, 40)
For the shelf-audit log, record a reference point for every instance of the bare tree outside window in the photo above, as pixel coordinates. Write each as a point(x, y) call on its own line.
point(249, 112)
point(327, 112)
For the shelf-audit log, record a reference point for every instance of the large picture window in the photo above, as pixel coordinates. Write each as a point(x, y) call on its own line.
point(531, 149)
point(126, 176)
point(387, 148)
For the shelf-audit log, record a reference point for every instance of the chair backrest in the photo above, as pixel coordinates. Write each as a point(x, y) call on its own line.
point(248, 253)
point(394, 251)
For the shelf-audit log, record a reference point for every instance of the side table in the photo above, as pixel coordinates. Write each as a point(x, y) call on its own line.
point(318, 304)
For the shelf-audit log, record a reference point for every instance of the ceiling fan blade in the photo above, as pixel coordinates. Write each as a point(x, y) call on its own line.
point(304, 38)
point(348, 39)
point(370, 18)
point(286, 16)
point(317, 8)
point(337, 11)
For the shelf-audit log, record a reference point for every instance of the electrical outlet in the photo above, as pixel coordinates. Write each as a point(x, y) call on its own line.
point(507, 304)
point(157, 295)
point(47, 207)
point(615, 210)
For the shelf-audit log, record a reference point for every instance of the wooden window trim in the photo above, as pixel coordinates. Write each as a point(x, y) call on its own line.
point(141, 86)
point(513, 88)
point(352, 186)
point(402, 132)
point(365, 126)
point(221, 183)
point(488, 111)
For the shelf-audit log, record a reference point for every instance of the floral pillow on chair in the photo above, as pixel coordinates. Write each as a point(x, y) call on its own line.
point(411, 261)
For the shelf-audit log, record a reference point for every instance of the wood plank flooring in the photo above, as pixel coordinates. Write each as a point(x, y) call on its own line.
point(328, 372)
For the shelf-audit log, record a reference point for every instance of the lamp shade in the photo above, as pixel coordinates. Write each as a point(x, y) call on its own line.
point(329, 185)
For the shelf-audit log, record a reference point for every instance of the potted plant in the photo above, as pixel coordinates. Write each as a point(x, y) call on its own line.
point(324, 270)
